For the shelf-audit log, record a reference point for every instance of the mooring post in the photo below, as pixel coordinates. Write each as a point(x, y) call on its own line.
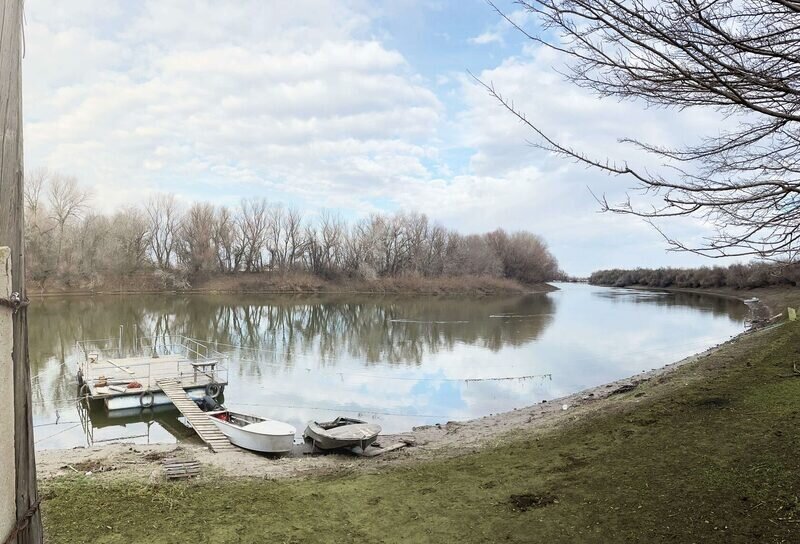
point(28, 526)
point(8, 508)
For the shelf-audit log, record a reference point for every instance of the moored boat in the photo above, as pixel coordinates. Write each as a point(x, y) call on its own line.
point(342, 432)
point(253, 432)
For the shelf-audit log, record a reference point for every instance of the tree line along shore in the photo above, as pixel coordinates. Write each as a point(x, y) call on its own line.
point(753, 275)
point(164, 244)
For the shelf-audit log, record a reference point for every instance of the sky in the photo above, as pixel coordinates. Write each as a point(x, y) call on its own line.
point(349, 106)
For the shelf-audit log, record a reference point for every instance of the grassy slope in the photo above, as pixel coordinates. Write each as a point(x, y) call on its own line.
point(710, 454)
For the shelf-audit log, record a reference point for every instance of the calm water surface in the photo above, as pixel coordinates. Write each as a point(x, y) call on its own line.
point(397, 361)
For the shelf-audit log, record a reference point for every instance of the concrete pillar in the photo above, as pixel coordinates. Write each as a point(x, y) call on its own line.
point(8, 509)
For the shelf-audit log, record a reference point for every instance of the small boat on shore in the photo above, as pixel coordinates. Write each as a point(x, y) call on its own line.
point(342, 432)
point(253, 432)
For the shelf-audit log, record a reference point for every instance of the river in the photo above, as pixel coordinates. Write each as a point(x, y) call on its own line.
point(397, 361)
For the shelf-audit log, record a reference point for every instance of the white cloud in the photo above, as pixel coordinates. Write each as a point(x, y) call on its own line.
point(307, 103)
point(514, 185)
point(487, 37)
point(283, 96)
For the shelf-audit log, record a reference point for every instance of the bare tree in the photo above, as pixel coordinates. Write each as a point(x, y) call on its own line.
point(163, 214)
point(472, 256)
point(275, 237)
point(255, 226)
point(356, 249)
point(739, 57)
point(67, 201)
point(293, 243)
point(196, 249)
point(523, 256)
point(324, 245)
point(40, 228)
point(35, 183)
point(129, 233)
point(227, 238)
point(84, 247)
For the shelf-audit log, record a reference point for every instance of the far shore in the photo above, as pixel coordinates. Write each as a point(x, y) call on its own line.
point(289, 284)
point(772, 300)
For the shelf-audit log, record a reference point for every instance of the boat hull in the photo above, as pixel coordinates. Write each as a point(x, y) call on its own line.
point(360, 435)
point(263, 443)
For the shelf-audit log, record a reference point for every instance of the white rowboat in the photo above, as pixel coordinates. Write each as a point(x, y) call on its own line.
point(253, 432)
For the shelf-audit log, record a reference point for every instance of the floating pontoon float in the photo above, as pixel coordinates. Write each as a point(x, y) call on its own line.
point(130, 380)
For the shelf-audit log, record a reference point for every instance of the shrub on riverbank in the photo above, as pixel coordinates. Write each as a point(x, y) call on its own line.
point(291, 283)
point(736, 276)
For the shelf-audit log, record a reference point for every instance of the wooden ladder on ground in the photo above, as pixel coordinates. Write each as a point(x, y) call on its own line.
point(204, 428)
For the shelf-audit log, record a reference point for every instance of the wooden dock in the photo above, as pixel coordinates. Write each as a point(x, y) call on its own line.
point(204, 428)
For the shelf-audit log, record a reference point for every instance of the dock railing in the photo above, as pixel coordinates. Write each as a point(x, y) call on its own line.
point(191, 364)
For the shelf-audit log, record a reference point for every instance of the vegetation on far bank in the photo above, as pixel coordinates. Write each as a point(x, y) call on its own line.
point(705, 453)
point(166, 245)
point(295, 283)
point(735, 276)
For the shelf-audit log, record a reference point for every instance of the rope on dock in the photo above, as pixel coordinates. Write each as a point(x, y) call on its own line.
point(15, 302)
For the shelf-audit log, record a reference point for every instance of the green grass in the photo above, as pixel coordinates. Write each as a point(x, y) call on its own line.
point(708, 455)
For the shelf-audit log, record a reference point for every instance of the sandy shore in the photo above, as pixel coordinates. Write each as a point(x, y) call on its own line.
point(434, 441)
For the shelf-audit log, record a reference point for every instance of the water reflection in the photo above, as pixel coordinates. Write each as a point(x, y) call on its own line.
point(401, 361)
point(393, 330)
point(717, 305)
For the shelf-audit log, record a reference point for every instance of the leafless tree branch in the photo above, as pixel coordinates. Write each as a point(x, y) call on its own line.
point(739, 57)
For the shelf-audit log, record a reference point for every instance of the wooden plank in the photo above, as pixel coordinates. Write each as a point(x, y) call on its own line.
point(205, 429)
point(374, 451)
point(176, 468)
point(11, 235)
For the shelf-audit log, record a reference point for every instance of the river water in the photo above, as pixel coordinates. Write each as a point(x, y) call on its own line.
point(396, 361)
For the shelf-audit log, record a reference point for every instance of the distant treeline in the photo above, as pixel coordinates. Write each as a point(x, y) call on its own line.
point(736, 276)
point(70, 243)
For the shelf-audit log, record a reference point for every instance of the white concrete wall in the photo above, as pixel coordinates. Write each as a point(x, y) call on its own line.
point(7, 471)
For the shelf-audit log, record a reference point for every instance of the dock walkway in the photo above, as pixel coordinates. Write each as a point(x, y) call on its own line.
point(205, 429)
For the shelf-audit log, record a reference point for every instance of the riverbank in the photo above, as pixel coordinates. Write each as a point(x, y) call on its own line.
point(698, 451)
point(295, 283)
point(774, 299)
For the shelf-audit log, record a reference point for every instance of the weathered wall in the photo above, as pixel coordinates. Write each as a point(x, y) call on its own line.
point(7, 478)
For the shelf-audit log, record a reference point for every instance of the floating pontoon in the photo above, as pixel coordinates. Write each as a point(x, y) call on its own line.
point(130, 380)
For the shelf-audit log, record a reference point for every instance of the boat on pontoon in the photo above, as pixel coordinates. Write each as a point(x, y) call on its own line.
point(342, 432)
point(254, 432)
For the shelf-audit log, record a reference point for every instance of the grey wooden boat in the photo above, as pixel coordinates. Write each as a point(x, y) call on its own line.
point(342, 432)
